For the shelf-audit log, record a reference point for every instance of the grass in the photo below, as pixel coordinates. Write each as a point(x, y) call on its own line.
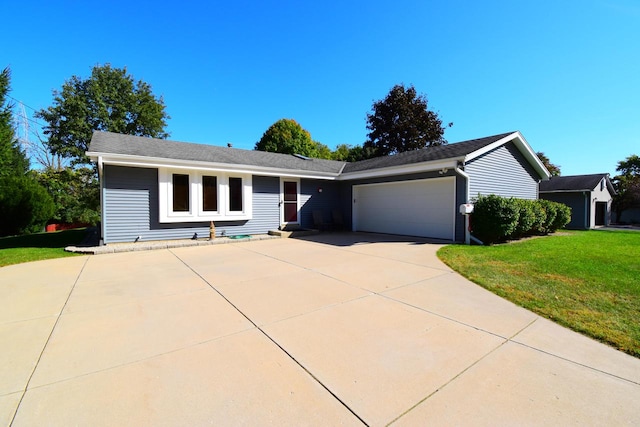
point(588, 281)
point(39, 246)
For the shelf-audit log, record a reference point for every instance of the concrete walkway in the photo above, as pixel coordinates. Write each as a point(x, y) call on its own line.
point(337, 329)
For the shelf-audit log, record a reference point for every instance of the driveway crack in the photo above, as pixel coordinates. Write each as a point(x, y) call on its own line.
point(26, 387)
point(263, 332)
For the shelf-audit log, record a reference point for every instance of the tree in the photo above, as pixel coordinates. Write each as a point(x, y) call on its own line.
point(403, 122)
point(25, 206)
point(349, 153)
point(109, 100)
point(75, 194)
point(627, 185)
point(13, 160)
point(554, 170)
point(286, 136)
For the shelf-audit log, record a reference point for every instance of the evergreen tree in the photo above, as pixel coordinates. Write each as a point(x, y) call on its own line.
point(13, 160)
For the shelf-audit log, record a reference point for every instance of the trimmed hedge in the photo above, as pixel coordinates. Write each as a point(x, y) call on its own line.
point(497, 219)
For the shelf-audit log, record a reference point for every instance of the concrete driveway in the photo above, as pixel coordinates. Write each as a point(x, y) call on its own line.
point(340, 329)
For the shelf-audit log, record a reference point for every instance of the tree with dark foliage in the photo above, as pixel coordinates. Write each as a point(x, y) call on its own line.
point(25, 205)
point(554, 170)
point(403, 122)
point(627, 185)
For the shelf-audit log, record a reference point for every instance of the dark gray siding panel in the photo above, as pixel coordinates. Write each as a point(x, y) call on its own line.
point(578, 205)
point(503, 172)
point(130, 203)
point(461, 193)
point(312, 199)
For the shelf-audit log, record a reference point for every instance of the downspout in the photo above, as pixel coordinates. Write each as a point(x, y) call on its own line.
point(101, 181)
point(467, 233)
point(587, 197)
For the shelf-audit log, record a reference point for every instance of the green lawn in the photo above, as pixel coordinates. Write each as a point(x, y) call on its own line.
point(588, 281)
point(35, 247)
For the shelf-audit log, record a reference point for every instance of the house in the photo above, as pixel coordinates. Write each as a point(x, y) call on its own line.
point(155, 189)
point(588, 196)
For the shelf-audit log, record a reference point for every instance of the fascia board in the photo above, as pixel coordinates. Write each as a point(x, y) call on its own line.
point(400, 170)
point(124, 160)
point(565, 191)
point(524, 148)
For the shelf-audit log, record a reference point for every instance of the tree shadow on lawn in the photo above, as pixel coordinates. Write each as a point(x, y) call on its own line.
point(57, 239)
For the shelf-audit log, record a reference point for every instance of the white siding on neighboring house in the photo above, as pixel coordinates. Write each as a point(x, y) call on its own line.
point(503, 172)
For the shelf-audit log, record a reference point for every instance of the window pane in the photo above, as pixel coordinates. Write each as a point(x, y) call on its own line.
point(235, 194)
point(210, 193)
point(290, 191)
point(180, 193)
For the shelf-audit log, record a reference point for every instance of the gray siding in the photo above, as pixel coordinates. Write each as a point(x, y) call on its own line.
point(579, 204)
point(503, 172)
point(130, 203)
point(311, 199)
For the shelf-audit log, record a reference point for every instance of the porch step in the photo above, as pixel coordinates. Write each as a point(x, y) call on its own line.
point(293, 233)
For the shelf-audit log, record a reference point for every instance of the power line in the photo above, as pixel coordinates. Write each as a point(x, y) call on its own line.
point(17, 100)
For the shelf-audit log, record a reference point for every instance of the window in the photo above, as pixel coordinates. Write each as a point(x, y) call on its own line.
point(209, 193)
point(235, 194)
point(180, 193)
point(202, 196)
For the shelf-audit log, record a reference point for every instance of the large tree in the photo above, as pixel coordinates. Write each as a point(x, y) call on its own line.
point(403, 122)
point(25, 205)
point(627, 185)
point(13, 160)
point(286, 136)
point(109, 100)
point(554, 170)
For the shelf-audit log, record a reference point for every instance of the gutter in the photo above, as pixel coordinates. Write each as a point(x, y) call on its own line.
point(467, 233)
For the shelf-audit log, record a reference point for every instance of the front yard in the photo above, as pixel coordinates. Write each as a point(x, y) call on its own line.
point(39, 246)
point(588, 281)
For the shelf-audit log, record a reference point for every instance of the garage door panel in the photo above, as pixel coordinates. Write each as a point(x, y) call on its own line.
point(416, 208)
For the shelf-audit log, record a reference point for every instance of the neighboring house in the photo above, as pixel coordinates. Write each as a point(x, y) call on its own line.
point(154, 189)
point(588, 196)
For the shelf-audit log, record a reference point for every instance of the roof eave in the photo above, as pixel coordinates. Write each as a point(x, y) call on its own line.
point(158, 162)
point(401, 170)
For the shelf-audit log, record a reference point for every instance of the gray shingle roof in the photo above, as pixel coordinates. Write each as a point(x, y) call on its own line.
point(572, 183)
point(441, 152)
point(115, 143)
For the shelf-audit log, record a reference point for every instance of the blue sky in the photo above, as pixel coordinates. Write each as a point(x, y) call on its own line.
point(565, 73)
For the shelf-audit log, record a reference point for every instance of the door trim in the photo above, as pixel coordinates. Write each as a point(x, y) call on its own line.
point(282, 202)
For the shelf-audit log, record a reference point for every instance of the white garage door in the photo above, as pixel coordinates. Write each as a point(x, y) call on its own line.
point(422, 208)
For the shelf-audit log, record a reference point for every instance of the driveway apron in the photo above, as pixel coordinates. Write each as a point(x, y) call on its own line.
point(335, 329)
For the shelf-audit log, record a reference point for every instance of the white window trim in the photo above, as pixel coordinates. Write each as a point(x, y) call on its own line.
point(196, 211)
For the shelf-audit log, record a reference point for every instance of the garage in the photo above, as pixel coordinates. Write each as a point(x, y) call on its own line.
point(424, 208)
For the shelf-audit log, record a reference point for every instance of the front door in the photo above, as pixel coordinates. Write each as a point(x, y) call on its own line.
point(289, 202)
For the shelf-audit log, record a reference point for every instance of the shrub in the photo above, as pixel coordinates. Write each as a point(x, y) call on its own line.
point(551, 210)
point(25, 206)
point(526, 217)
point(494, 218)
point(563, 216)
point(540, 218)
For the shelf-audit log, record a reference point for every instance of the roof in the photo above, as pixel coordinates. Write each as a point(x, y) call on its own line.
point(104, 143)
point(114, 147)
point(439, 152)
point(575, 183)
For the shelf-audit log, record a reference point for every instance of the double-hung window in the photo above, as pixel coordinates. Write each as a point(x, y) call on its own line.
point(192, 196)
